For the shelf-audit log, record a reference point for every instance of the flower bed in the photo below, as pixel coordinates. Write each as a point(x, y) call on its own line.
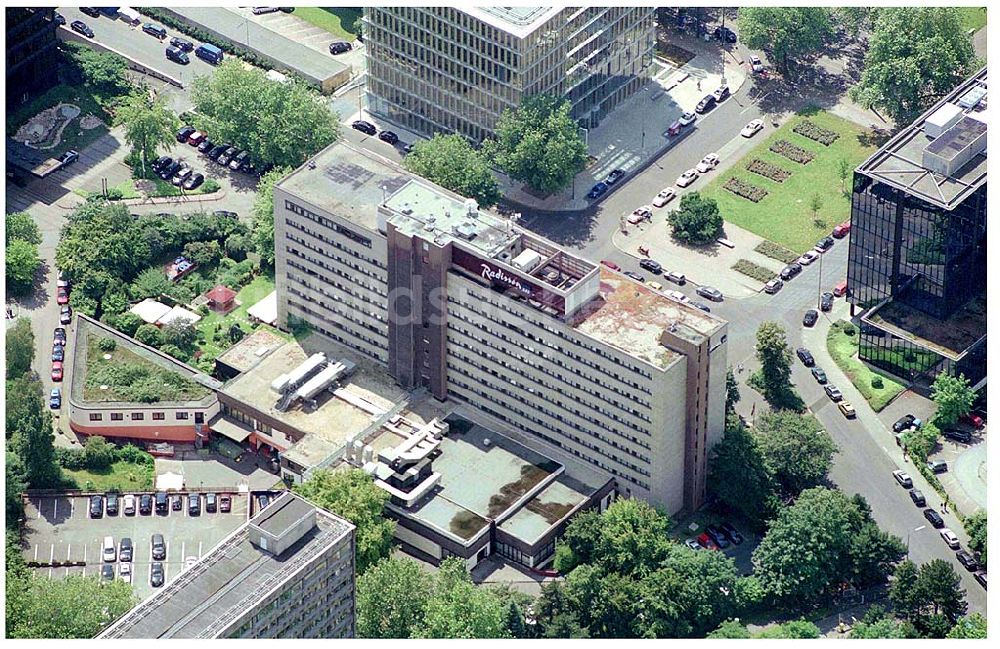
point(745, 190)
point(808, 129)
point(792, 152)
point(768, 170)
point(753, 270)
point(774, 251)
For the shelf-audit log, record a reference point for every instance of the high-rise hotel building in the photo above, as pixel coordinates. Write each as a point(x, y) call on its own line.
point(579, 359)
point(450, 69)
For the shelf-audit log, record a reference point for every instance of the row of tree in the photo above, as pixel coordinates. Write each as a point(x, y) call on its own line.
point(21, 248)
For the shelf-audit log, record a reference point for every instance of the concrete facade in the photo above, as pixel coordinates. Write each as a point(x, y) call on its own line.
point(588, 369)
point(445, 69)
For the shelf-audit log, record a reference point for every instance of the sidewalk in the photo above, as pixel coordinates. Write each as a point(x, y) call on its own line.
point(634, 134)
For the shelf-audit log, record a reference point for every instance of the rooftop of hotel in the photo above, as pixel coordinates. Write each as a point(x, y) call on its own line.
point(632, 317)
point(337, 418)
point(193, 388)
point(899, 162)
point(204, 600)
point(519, 21)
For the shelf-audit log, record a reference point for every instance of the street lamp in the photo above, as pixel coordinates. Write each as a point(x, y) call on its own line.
point(908, 539)
point(645, 91)
point(819, 283)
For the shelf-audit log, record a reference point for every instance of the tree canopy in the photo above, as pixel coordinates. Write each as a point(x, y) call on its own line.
point(915, 56)
point(150, 126)
point(774, 378)
point(538, 144)
point(20, 345)
point(280, 124)
point(697, 220)
point(29, 432)
point(796, 449)
point(263, 215)
point(931, 596)
point(953, 396)
point(105, 72)
point(22, 263)
point(787, 34)
point(975, 526)
point(353, 495)
point(21, 227)
point(741, 477)
point(450, 161)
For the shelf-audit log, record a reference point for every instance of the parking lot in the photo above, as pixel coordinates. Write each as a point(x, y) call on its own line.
point(59, 528)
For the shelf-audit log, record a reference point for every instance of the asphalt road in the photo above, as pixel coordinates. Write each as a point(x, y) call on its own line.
point(861, 465)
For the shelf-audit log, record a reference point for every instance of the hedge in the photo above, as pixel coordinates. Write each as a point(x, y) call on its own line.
point(745, 190)
point(775, 251)
point(768, 170)
point(792, 152)
point(813, 131)
point(753, 270)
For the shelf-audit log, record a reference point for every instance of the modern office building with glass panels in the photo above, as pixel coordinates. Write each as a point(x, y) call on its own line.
point(917, 261)
point(448, 69)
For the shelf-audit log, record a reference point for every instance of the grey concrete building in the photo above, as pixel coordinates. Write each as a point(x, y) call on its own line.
point(450, 69)
point(585, 363)
point(286, 573)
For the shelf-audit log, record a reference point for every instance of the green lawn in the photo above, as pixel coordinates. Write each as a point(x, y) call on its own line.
point(784, 215)
point(123, 476)
point(844, 350)
point(972, 18)
point(163, 188)
point(73, 137)
point(339, 21)
point(127, 376)
point(249, 295)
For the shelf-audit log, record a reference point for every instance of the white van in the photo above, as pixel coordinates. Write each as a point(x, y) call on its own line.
point(129, 15)
point(108, 549)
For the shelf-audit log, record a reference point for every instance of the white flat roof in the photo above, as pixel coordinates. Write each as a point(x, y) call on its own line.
point(519, 21)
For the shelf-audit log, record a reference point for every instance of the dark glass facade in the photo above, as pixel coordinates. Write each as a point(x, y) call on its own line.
point(925, 258)
point(31, 53)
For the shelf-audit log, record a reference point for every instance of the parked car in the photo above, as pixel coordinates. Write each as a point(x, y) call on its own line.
point(57, 353)
point(107, 572)
point(934, 518)
point(610, 264)
point(182, 44)
point(181, 176)
point(227, 155)
point(177, 55)
point(981, 578)
point(701, 305)
point(773, 286)
point(847, 410)
point(752, 128)
point(614, 176)
point(184, 133)
point(125, 572)
point(687, 119)
point(168, 171)
point(57, 371)
point(194, 505)
point(59, 19)
point(819, 375)
point(93, 12)
point(675, 277)
point(206, 145)
point(664, 197)
point(260, 11)
point(691, 543)
point(967, 560)
point(950, 538)
point(961, 436)
point(81, 27)
point(971, 419)
point(917, 497)
point(216, 151)
point(211, 503)
point(598, 190)
point(365, 127)
point(721, 93)
point(125, 550)
point(826, 301)
point(823, 244)
point(239, 160)
point(656, 286)
point(161, 162)
point(339, 47)
point(805, 356)
point(263, 501)
point(194, 181)
point(756, 65)
point(808, 257)
point(196, 138)
point(732, 533)
point(128, 505)
point(724, 34)
point(65, 314)
point(841, 230)
point(156, 574)
point(636, 276)
point(687, 178)
point(640, 214)
point(62, 295)
point(388, 137)
point(840, 290)
point(833, 392)
point(709, 293)
point(790, 271)
point(145, 504)
point(55, 399)
point(677, 295)
point(937, 466)
point(161, 502)
point(706, 104)
point(651, 265)
point(176, 503)
point(111, 500)
point(96, 506)
point(159, 547)
point(154, 30)
point(225, 503)
point(903, 478)
point(903, 423)
point(708, 163)
point(705, 541)
point(717, 536)
point(68, 157)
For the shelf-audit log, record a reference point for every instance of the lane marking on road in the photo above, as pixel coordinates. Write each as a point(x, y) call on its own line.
point(55, 507)
point(183, 549)
point(199, 549)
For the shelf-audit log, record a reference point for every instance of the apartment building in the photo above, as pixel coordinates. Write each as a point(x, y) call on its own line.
point(587, 364)
point(450, 69)
point(917, 257)
point(288, 572)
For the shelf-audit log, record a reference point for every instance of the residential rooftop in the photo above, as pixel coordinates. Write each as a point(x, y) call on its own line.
point(632, 317)
point(518, 21)
point(200, 387)
point(204, 600)
point(941, 139)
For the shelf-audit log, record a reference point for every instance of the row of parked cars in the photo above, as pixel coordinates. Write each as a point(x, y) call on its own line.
point(163, 503)
point(716, 537)
point(368, 128)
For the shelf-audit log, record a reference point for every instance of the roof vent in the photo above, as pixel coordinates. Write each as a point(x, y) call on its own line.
point(471, 207)
point(972, 98)
point(956, 147)
point(942, 119)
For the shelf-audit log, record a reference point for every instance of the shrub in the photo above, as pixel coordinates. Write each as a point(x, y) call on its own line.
point(98, 453)
point(149, 334)
point(134, 455)
point(70, 458)
point(753, 270)
point(792, 152)
point(745, 190)
point(813, 131)
point(210, 186)
point(774, 251)
point(768, 170)
point(107, 344)
point(849, 329)
point(877, 382)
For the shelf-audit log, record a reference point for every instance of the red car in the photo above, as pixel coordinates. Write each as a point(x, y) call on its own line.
point(973, 420)
point(197, 138)
point(57, 371)
point(705, 541)
point(610, 264)
point(842, 230)
point(62, 295)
